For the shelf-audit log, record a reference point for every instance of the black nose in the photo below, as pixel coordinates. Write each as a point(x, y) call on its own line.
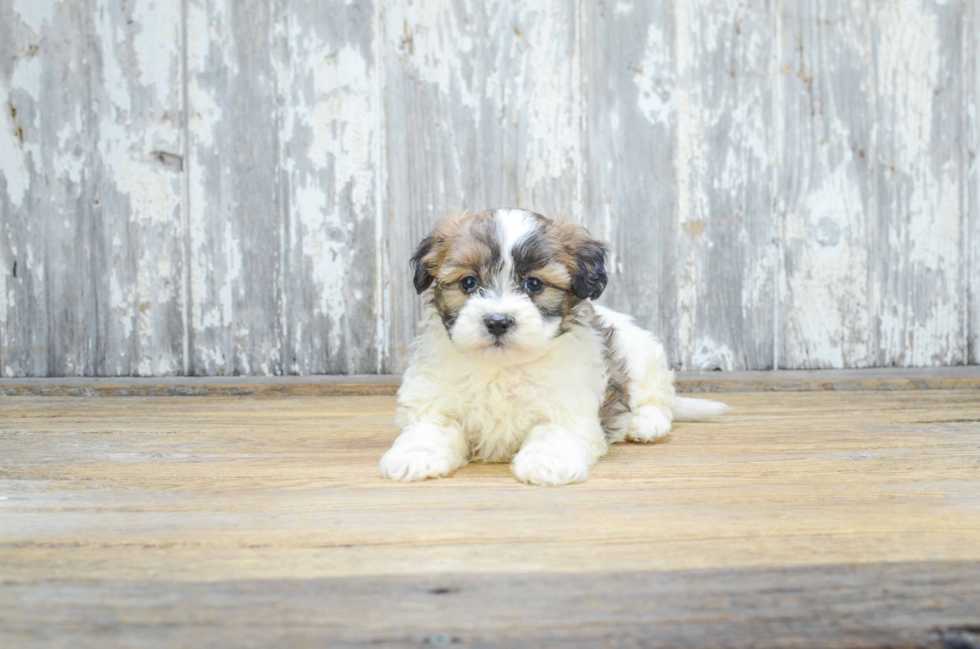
point(498, 324)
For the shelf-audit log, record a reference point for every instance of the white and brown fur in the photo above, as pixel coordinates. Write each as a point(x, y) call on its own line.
point(514, 362)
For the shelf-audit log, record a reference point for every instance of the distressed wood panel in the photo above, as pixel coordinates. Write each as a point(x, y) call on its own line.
point(971, 171)
point(964, 377)
point(335, 305)
point(782, 183)
point(91, 207)
point(218, 488)
point(47, 160)
point(481, 110)
point(629, 70)
point(825, 197)
point(235, 209)
point(138, 244)
point(824, 519)
point(922, 604)
point(725, 253)
point(918, 252)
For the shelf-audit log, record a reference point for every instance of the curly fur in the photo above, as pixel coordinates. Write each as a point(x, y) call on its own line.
point(550, 392)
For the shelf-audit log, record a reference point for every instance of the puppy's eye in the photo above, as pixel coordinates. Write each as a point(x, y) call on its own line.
point(468, 284)
point(533, 285)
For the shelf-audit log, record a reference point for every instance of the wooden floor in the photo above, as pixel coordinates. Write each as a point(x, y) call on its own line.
point(798, 519)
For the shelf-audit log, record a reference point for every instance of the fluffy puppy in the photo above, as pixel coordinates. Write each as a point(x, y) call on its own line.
point(514, 363)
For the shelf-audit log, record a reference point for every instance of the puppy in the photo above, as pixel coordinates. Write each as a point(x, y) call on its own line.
point(514, 363)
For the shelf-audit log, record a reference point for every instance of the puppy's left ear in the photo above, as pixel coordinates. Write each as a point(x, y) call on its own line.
point(422, 279)
point(589, 279)
point(586, 261)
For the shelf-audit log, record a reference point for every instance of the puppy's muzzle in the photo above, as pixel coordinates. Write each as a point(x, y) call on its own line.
point(498, 324)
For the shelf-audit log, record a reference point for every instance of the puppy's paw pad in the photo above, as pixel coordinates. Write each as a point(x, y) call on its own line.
point(415, 464)
point(548, 467)
point(648, 424)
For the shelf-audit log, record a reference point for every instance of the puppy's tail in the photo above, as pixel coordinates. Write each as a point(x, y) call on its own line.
point(686, 409)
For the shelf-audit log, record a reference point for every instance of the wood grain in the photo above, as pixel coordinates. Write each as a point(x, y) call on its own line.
point(945, 378)
point(725, 261)
point(971, 173)
point(235, 210)
point(335, 279)
point(269, 514)
point(138, 235)
point(50, 177)
point(826, 195)
point(919, 247)
point(925, 604)
point(207, 187)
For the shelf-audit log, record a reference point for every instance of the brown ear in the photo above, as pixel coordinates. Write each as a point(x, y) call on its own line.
point(589, 281)
point(587, 262)
point(430, 253)
point(423, 278)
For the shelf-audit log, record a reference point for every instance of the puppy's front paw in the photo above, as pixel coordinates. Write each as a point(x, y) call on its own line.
point(416, 463)
point(549, 465)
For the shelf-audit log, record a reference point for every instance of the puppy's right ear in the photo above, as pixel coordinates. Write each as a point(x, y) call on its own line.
point(423, 279)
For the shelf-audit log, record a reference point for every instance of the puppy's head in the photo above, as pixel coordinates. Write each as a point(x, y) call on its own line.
point(507, 282)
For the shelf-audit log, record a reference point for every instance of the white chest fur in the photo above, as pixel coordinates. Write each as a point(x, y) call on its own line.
point(495, 404)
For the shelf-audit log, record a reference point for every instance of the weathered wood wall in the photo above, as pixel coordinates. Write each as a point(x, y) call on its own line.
point(235, 186)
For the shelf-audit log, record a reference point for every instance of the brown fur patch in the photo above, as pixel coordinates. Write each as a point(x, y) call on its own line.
point(459, 247)
point(556, 274)
point(585, 259)
point(554, 254)
point(617, 400)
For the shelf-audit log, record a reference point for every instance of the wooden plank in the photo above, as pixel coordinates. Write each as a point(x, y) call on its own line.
point(48, 210)
point(971, 172)
point(235, 206)
point(629, 69)
point(137, 90)
point(941, 378)
point(321, 386)
point(481, 111)
point(918, 256)
point(335, 305)
point(237, 488)
point(947, 378)
point(826, 185)
point(94, 104)
point(725, 262)
point(925, 604)
point(801, 519)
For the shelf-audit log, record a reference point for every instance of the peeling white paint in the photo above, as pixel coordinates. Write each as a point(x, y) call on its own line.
point(552, 144)
point(330, 129)
point(920, 322)
point(382, 270)
point(654, 79)
point(35, 13)
point(830, 320)
point(430, 37)
point(711, 355)
point(867, 253)
point(139, 187)
point(19, 153)
point(342, 121)
point(13, 164)
point(623, 8)
point(156, 56)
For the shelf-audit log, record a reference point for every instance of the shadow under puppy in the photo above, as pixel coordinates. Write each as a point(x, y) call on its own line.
point(514, 363)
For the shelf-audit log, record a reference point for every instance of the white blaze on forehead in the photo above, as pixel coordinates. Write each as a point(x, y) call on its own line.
point(512, 226)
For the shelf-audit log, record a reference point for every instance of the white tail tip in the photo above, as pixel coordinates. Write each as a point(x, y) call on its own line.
point(686, 409)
